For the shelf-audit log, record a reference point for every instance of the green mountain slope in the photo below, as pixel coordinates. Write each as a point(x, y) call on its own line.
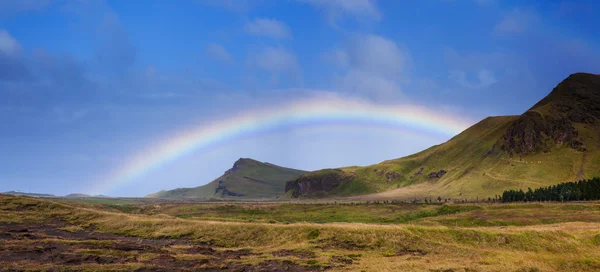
point(246, 179)
point(557, 140)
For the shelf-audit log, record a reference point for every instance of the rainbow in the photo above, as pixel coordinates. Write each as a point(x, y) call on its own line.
point(331, 110)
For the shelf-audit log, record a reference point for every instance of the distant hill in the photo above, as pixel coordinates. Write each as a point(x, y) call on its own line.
point(557, 140)
point(247, 178)
point(75, 195)
point(19, 193)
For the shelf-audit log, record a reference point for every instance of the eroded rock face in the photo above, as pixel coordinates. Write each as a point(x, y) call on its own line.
point(389, 175)
point(533, 132)
point(438, 174)
point(392, 175)
point(317, 183)
point(224, 191)
point(417, 174)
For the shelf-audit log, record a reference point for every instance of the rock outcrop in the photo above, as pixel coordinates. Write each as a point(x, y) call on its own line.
point(438, 174)
point(224, 192)
point(417, 174)
point(389, 175)
point(317, 183)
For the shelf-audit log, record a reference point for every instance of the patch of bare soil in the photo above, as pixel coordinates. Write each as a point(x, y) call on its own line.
point(330, 243)
point(412, 252)
point(299, 254)
point(30, 245)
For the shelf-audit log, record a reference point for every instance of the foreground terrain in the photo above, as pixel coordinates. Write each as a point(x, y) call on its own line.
point(154, 235)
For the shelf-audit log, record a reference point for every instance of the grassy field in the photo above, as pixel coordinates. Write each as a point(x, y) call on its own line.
point(40, 234)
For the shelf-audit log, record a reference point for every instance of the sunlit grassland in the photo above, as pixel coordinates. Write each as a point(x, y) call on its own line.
point(476, 167)
point(465, 237)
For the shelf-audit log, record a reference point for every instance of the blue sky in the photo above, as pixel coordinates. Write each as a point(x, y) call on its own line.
point(86, 84)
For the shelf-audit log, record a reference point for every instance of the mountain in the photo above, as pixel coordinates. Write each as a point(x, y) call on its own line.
point(76, 195)
point(247, 178)
point(557, 140)
point(19, 193)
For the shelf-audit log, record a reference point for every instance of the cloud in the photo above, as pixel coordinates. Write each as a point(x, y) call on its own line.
point(370, 85)
point(12, 65)
point(62, 71)
point(278, 61)
point(268, 28)
point(377, 54)
point(516, 22)
point(13, 7)
point(115, 53)
point(375, 67)
point(474, 70)
point(364, 9)
point(338, 57)
point(484, 78)
point(115, 49)
point(218, 52)
point(8, 44)
point(232, 5)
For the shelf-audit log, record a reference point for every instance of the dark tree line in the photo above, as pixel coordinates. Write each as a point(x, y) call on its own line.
point(568, 191)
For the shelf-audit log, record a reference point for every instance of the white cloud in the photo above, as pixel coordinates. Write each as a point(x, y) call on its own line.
point(370, 85)
point(357, 8)
point(515, 22)
point(268, 27)
point(12, 7)
point(232, 5)
point(377, 54)
point(218, 52)
point(338, 57)
point(376, 66)
point(473, 71)
point(8, 44)
point(484, 78)
point(277, 61)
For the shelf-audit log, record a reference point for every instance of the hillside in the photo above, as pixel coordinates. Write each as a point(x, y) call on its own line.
point(19, 193)
point(76, 195)
point(247, 178)
point(557, 140)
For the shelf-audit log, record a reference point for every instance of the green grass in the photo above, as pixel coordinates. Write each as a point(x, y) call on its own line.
point(473, 171)
point(451, 215)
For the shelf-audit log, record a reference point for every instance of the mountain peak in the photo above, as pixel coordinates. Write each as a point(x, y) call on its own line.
point(577, 88)
point(551, 122)
point(242, 163)
point(247, 178)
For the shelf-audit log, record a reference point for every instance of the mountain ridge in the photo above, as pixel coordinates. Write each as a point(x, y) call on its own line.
point(556, 140)
point(247, 178)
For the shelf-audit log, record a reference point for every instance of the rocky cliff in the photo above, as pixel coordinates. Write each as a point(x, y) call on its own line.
point(318, 183)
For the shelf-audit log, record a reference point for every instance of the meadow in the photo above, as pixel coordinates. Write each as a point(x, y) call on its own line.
point(143, 235)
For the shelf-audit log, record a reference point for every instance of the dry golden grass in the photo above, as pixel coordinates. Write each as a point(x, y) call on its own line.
point(425, 245)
